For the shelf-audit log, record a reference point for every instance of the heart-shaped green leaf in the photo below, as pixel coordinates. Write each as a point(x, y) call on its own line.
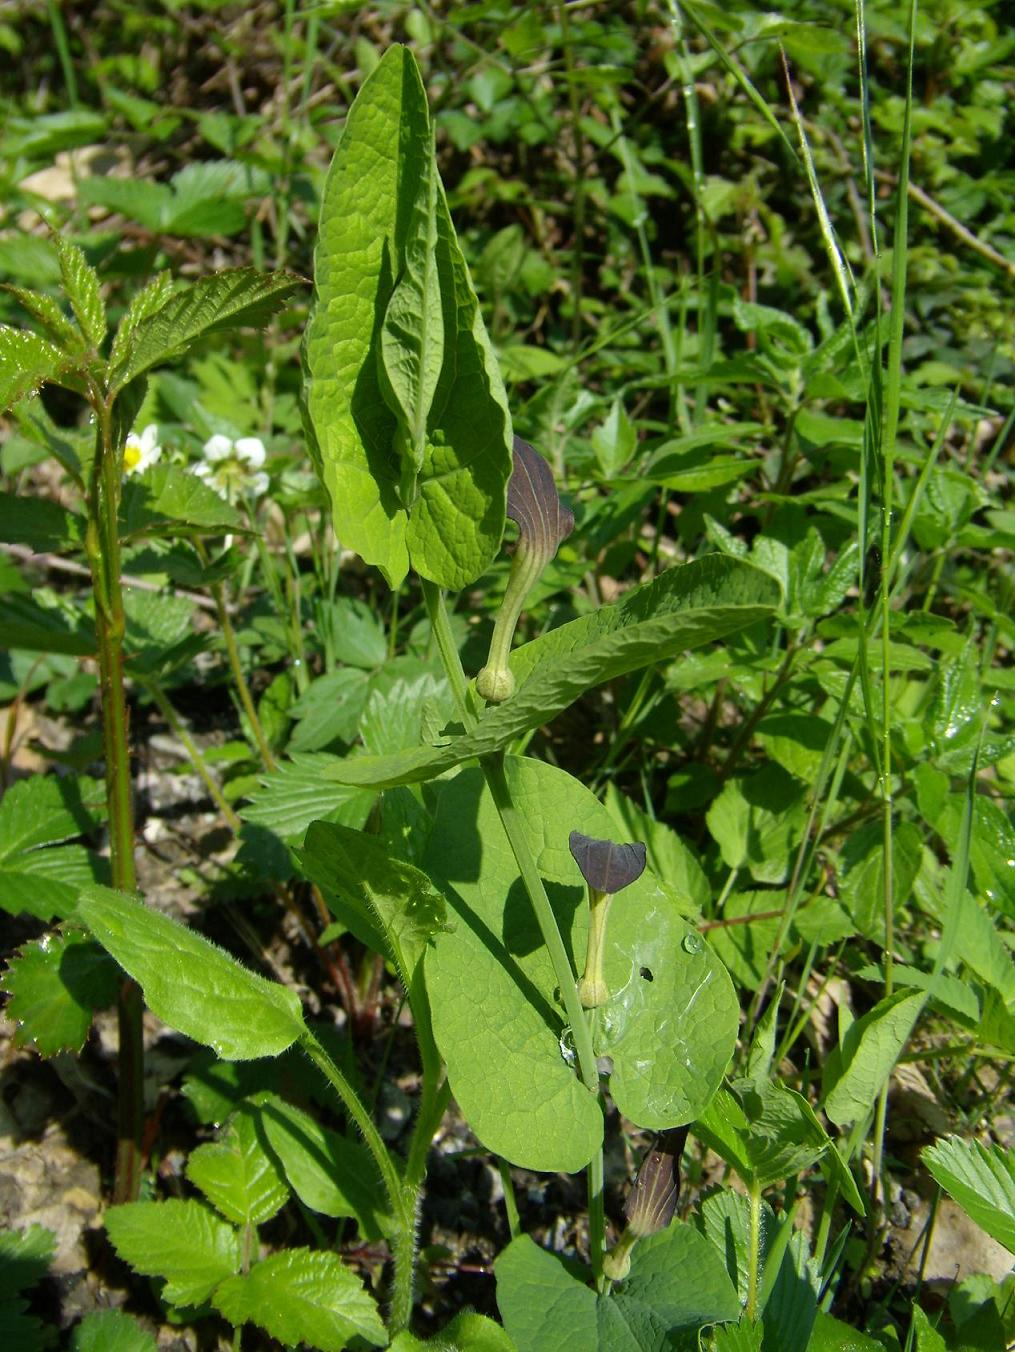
point(669, 1027)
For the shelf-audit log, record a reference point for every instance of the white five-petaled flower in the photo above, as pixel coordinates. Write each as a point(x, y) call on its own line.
point(233, 468)
point(141, 452)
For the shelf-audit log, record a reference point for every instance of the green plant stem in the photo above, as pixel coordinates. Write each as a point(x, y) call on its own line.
point(402, 1197)
point(62, 46)
point(440, 625)
point(510, 1202)
point(103, 549)
point(496, 779)
point(236, 667)
point(198, 761)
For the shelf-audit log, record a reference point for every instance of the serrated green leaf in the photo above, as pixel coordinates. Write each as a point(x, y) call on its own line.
point(302, 1296)
point(111, 1331)
point(981, 1179)
point(237, 1174)
point(467, 1332)
point(47, 810)
point(169, 500)
point(27, 362)
point(24, 893)
point(451, 530)
point(25, 1256)
point(869, 1051)
point(683, 608)
point(38, 523)
point(55, 987)
point(48, 313)
point(26, 624)
point(136, 198)
point(329, 710)
point(145, 303)
point(43, 135)
point(330, 1173)
point(81, 285)
point(299, 793)
point(224, 300)
point(190, 983)
point(670, 1026)
point(184, 1243)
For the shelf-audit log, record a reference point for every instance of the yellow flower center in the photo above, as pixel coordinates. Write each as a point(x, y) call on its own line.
point(131, 456)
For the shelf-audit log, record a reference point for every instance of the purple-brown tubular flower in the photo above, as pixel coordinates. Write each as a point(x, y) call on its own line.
point(606, 867)
point(651, 1202)
point(543, 521)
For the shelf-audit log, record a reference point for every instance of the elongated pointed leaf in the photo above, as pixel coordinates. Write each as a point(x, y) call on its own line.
point(328, 1172)
point(450, 522)
point(683, 608)
point(145, 303)
point(81, 283)
point(870, 1049)
point(48, 313)
point(190, 983)
point(225, 300)
point(412, 335)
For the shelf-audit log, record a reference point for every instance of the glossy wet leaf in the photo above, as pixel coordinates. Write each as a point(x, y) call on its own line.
point(190, 983)
point(450, 520)
point(303, 1296)
point(27, 362)
point(670, 1028)
point(55, 987)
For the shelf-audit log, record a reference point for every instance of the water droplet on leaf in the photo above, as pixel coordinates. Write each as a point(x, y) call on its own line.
point(691, 942)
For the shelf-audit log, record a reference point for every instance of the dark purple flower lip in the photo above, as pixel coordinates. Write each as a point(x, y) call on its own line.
point(606, 866)
point(533, 502)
